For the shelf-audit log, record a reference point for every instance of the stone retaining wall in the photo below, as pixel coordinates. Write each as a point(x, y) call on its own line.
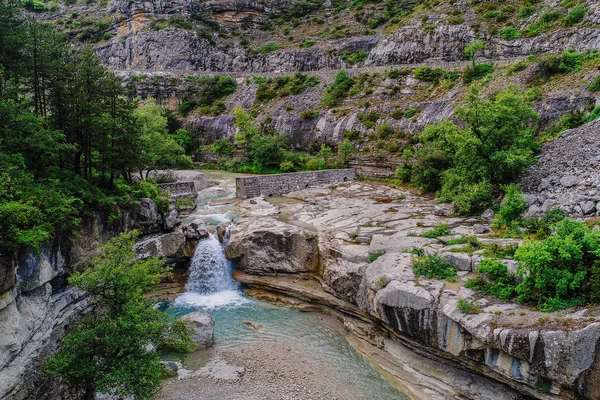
point(179, 188)
point(269, 185)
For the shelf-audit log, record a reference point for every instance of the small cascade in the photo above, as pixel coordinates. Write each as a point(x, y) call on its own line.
point(209, 272)
point(210, 284)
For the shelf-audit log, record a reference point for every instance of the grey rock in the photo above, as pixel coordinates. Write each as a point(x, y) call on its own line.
point(171, 220)
point(569, 181)
point(588, 207)
point(462, 261)
point(196, 230)
point(481, 229)
point(160, 245)
point(203, 328)
point(267, 245)
point(488, 214)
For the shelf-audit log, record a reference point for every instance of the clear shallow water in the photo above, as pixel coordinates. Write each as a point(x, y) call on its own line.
point(210, 288)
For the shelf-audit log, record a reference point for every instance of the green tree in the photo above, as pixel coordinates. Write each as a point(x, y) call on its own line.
point(467, 165)
point(472, 50)
point(246, 129)
point(115, 349)
point(345, 148)
point(159, 150)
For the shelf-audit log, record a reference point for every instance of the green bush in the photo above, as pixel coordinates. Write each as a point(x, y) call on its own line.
point(398, 73)
point(510, 33)
point(575, 15)
point(469, 307)
point(557, 270)
point(469, 165)
point(433, 267)
point(594, 115)
point(374, 255)
point(512, 207)
point(354, 57)
point(268, 48)
point(428, 74)
point(300, 8)
point(309, 114)
point(516, 67)
point(306, 43)
point(411, 112)
point(473, 73)
point(282, 86)
point(369, 119)
point(437, 231)
point(338, 90)
point(493, 278)
point(594, 86)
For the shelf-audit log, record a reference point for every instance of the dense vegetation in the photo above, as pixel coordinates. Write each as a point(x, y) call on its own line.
point(559, 263)
point(116, 350)
point(70, 140)
point(468, 164)
point(258, 149)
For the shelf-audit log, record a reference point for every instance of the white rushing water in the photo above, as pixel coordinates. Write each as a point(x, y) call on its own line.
point(211, 288)
point(210, 284)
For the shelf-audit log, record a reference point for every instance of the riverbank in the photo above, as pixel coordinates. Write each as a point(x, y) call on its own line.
point(355, 241)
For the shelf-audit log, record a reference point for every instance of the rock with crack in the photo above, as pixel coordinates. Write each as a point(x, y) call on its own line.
point(266, 246)
point(160, 245)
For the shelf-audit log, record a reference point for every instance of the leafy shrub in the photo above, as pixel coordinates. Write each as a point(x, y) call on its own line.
point(594, 86)
point(428, 74)
point(268, 48)
point(510, 33)
point(368, 119)
point(306, 43)
point(437, 231)
point(411, 112)
point(269, 89)
point(556, 270)
point(374, 255)
point(469, 307)
point(516, 67)
point(354, 57)
point(398, 73)
point(473, 73)
point(338, 90)
point(222, 147)
point(493, 278)
point(433, 267)
point(594, 115)
point(466, 166)
point(309, 114)
point(300, 8)
point(575, 15)
point(512, 207)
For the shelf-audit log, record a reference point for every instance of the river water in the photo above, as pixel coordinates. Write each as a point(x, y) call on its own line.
point(210, 288)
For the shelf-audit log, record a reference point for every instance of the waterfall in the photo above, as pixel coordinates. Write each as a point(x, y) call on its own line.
point(210, 284)
point(210, 272)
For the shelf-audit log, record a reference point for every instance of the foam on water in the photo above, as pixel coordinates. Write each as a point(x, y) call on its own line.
point(220, 300)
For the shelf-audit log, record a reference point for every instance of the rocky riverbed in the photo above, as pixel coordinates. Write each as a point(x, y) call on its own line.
point(346, 249)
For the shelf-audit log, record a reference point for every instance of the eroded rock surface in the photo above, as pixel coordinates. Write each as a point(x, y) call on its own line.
point(365, 235)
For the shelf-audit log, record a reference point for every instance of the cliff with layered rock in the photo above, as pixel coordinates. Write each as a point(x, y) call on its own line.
point(36, 303)
point(159, 48)
point(349, 250)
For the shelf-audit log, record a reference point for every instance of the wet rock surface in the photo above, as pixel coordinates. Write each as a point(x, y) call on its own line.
point(350, 224)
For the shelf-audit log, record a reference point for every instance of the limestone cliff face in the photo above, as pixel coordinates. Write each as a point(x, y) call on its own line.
point(154, 62)
point(36, 303)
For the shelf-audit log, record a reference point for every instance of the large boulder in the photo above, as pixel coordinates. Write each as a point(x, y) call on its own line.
point(160, 245)
point(269, 246)
point(149, 219)
point(202, 328)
